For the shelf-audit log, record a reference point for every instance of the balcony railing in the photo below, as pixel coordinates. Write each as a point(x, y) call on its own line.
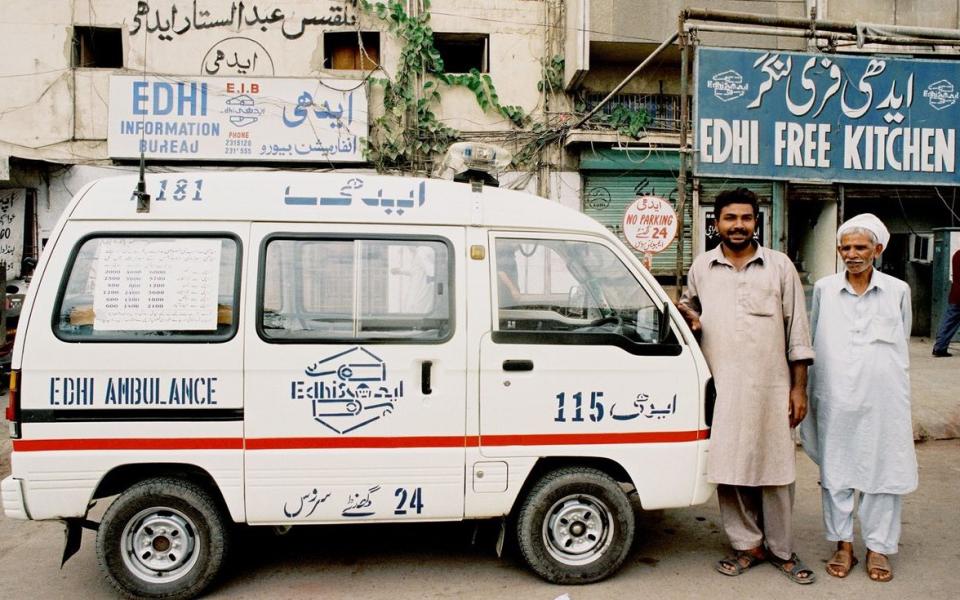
point(663, 109)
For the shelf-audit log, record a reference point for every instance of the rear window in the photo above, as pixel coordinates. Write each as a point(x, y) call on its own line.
point(150, 288)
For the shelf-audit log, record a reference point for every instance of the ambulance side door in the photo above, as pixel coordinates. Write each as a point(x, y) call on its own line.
point(576, 366)
point(355, 374)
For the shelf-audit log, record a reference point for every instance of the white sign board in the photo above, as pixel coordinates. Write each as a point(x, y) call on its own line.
point(237, 118)
point(12, 203)
point(147, 284)
point(650, 224)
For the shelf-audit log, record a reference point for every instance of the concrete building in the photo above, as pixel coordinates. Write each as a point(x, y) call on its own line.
point(88, 83)
point(61, 127)
point(800, 216)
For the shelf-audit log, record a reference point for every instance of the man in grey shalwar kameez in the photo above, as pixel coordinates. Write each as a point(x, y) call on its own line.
point(748, 303)
point(859, 429)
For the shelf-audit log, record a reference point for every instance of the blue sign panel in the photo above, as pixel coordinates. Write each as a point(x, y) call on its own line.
point(802, 116)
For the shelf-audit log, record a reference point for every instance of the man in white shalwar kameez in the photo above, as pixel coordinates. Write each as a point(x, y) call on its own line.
point(859, 429)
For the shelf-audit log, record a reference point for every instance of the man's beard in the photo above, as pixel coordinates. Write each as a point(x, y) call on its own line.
point(737, 246)
point(857, 267)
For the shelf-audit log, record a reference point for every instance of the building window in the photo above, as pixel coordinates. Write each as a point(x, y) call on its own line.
point(97, 47)
point(351, 50)
point(463, 52)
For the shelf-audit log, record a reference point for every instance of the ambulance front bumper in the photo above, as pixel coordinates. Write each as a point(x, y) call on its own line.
point(14, 506)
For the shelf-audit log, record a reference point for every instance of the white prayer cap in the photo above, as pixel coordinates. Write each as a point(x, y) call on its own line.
point(869, 222)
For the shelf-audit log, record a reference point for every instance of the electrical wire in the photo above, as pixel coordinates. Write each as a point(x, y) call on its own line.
point(947, 206)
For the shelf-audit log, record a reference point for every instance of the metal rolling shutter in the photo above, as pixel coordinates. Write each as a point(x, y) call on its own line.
point(709, 188)
point(607, 195)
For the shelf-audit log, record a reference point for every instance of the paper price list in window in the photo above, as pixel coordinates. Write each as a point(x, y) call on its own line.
point(157, 285)
point(11, 230)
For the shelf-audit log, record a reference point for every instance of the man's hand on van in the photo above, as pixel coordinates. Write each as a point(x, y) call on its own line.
point(691, 316)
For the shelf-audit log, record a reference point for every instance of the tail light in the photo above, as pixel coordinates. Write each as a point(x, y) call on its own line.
point(709, 402)
point(13, 404)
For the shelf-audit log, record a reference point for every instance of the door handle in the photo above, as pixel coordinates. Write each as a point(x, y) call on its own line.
point(518, 365)
point(426, 368)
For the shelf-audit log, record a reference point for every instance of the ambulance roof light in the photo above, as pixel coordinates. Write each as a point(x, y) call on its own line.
point(466, 161)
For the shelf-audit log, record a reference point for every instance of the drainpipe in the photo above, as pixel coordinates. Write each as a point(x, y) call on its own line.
point(682, 177)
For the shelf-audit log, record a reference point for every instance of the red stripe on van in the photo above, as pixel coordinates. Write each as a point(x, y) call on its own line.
point(307, 443)
point(303, 443)
point(129, 444)
point(577, 439)
point(550, 439)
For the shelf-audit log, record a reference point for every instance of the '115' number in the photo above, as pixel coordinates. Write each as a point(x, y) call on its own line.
point(595, 407)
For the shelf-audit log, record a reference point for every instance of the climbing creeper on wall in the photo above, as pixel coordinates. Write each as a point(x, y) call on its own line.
point(408, 132)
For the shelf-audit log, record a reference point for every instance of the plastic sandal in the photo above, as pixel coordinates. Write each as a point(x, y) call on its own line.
point(794, 573)
point(733, 566)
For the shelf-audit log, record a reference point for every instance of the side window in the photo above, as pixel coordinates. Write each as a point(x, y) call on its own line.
point(572, 287)
point(150, 288)
point(356, 289)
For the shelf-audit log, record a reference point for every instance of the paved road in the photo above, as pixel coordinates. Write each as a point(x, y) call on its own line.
point(672, 556)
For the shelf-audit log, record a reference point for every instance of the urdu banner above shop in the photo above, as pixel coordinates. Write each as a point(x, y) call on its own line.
point(237, 118)
point(826, 117)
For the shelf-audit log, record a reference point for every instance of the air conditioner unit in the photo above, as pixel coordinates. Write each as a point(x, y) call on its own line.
point(921, 247)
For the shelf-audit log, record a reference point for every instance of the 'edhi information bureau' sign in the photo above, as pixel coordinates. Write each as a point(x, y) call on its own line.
point(802, 116)
point(237, 118)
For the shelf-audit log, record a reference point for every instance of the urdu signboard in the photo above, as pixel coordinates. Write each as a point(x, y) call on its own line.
point(826, 117)
point(236, 118)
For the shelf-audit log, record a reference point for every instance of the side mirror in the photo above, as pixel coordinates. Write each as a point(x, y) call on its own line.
point(664, 329)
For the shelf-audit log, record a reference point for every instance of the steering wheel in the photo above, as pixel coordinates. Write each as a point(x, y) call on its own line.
point(607, 320)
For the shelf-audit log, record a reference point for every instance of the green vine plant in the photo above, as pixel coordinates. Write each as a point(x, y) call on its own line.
point(627, 121)
point(623, 119)
point(552, 74)
point(408, 132)
point(482, 87)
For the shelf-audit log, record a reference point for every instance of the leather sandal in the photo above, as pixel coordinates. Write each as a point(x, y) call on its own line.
point(841, 563)
point(878, 567)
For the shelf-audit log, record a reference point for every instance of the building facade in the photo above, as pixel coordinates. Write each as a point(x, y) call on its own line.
point(385, 86)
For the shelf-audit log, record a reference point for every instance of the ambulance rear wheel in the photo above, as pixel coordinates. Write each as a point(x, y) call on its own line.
point(162, 538)
point(575, 526)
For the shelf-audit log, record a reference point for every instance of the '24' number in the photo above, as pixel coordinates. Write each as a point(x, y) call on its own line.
point(416, 501)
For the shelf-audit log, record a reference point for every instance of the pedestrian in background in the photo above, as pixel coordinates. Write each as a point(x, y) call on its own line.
point(747, 302)
point(859, 430)
point(951, 317)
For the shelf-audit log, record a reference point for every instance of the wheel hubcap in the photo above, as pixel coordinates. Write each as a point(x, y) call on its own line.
point(160, 544)
point(578, 529)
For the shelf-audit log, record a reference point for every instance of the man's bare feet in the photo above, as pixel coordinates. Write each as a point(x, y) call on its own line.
point(878, 567)
point(842, 560)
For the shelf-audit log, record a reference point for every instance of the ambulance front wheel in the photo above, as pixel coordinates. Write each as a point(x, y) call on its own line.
point(162, 538)
point(575, 526)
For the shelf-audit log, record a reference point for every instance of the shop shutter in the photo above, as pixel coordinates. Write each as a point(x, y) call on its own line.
point(607, 195)
point(812, 192)
point(709, 188)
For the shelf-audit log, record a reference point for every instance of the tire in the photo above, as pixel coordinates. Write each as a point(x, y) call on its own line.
point(180, 530)
point(575, 526)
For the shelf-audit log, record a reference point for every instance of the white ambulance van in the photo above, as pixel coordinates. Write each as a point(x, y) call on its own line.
point(299, 348)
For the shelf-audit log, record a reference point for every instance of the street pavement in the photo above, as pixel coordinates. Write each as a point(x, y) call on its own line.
point(672, 556)
point(935, 391)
